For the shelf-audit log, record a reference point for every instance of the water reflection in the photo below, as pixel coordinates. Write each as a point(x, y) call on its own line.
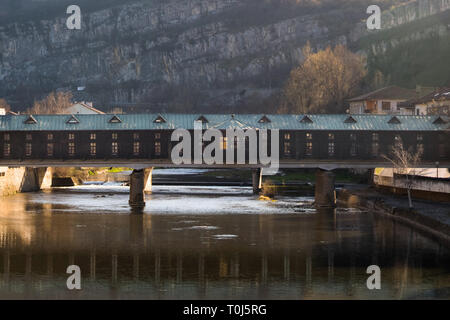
point(321, 254)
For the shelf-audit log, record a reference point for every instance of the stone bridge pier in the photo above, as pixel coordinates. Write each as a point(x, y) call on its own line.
point(325, 193)
point(257, 180)
point(140, 183)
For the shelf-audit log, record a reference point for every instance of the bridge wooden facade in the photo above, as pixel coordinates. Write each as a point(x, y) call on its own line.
point(144, 140)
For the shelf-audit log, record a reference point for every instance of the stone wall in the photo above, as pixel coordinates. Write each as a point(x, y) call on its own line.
point(24, 179)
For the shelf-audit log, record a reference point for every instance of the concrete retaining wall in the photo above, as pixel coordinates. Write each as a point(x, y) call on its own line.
point(24, 179)
point(413, 218)
point(430, 185)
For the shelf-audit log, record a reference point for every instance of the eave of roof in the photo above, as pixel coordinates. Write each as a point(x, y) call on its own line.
point(323, 122)
point(88, 107)
point(437, 95)
point(387, 93)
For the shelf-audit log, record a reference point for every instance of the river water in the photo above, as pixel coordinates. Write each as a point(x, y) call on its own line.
point(208, 243)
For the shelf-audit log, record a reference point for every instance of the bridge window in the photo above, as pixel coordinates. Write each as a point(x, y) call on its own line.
point(353, 145)
point(330, 144)
point(420, 145)
point(375, 144)
point(71, 136)
point(420, 148)
point(50, 148)
point(6, 137)
point(136, 136)
point(28, 137)
point(136, 148)
point(158, 135)
point(224, 143)
point(71, 148)
point(309, 144)
point(114, 148)
point(6, 150)
point(309, 147)
point(157, 148)
point(50, 136)
point(331, 148)
point(419, 137)
point(93, 136)
point(93, 148)
point(287, 144)
point(397, 141)
point(287, 148)
point(114, 136)
point(28, 149)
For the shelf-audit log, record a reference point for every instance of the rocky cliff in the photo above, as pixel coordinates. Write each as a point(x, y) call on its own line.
point(178, 54)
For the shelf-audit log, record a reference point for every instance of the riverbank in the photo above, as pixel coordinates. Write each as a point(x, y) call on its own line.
point(433, 218)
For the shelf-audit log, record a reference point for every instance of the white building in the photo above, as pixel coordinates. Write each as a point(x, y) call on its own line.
point(437, 103)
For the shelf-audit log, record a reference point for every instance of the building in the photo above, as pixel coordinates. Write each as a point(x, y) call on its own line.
point(434, 103)
point(83, 108)
point(331, 138)
point(385, 100)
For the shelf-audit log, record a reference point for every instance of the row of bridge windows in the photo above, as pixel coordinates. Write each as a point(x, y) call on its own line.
point(375, 146)
point(71, 145)
point(136, 147)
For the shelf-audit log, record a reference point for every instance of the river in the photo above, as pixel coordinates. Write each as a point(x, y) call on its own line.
point(208, 243)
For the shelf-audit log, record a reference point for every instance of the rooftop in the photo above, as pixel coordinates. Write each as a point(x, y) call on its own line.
point(170, 121)
point(442, 94)
point(388, 93)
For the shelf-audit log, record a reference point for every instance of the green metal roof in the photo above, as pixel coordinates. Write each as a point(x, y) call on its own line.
point(222, 121)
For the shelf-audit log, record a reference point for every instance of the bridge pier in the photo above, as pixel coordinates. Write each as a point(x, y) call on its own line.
point(137, 186)
point(325, 195)
point(257, 180)
point(148, 180)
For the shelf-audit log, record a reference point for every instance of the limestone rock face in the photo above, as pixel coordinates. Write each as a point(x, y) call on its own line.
point(217, 51)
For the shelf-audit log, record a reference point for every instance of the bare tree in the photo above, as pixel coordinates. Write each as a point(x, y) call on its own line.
point(324, 80)
point(405, 162)
point(54, 103)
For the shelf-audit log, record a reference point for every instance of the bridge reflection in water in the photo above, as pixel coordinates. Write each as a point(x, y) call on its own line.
point(321, 254)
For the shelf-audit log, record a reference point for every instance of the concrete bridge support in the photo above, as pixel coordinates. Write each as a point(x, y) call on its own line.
point(325, 195)
point(148, 180)
point(137, 186)
point(257, 180)
point(24, 179)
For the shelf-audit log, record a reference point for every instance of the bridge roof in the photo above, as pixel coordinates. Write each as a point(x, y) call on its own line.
point(335, 122)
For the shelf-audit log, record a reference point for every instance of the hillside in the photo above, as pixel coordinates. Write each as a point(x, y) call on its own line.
point(416, 53)
point(174, 55)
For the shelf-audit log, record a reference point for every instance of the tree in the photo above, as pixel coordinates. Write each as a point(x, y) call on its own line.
point(324, 80)
point(54, 103)
point(406, 163)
